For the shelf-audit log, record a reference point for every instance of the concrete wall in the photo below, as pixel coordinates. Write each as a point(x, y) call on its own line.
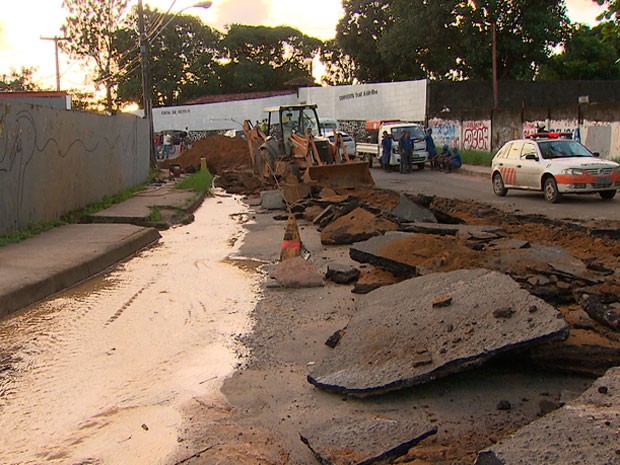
point(392, 100)
point(597, 126)
point(55, 161)
point(216, 116)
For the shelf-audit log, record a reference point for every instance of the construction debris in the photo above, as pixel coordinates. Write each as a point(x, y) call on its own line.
point(585, 431)
point(415, 343)
point(358, 225)
point(409, 211)
point(342, 274)
point(297, 273)
point(365, 439)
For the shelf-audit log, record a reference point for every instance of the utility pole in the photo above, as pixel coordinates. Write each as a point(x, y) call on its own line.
point(494, 53)
point(146, 83)
point(56, 40)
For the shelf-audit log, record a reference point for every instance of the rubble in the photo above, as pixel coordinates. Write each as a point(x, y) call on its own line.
point(415, 343)
point(296, 272)
point(357, 226)
point(365, 439)
point(584, 431)
point(409, 211)
point(375, 252)
point(342, 274)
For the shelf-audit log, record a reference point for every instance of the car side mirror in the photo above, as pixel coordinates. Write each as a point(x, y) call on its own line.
point(596, 154)
point(531, 156)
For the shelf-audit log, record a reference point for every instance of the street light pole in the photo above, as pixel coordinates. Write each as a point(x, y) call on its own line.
point(146, 83)
point(494, 53)
point(56, 40)
point(147, 87)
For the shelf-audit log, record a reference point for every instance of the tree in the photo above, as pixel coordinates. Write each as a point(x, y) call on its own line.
point(588, 54)
point(413, 39)
point(18, 81)
point(339, 66)
point(612, 9)
point(183, 58)
point(262, 58)
point(358, 33)
point(91, 26)
point(527, 31)
point(423, 42)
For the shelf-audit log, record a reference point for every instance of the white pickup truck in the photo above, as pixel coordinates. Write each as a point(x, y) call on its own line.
point(372, 150)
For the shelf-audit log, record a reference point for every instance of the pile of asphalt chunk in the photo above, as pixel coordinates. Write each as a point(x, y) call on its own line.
point(584, 431)
point(365, 439)
point(432, 326)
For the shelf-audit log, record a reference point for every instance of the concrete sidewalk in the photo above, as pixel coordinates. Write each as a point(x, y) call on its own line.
point(65, 256)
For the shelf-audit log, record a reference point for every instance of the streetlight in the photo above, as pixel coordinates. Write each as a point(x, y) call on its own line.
point(56, 39)
point(146, 69)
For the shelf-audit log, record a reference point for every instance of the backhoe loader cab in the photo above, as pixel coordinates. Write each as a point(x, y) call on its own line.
point(293, 143)
point(284, 121)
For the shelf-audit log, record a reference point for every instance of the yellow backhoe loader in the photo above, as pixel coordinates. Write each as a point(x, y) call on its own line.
point(292, 143)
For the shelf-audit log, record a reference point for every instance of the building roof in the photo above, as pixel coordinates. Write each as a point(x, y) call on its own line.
point(235, 97)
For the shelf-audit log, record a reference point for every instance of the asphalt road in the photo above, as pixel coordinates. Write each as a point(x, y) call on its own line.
point(478, 188)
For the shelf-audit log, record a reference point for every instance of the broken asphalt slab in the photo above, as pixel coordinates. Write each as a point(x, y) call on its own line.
point(365, 439)
point(358, 225)
point(376, 251)
point(584, 431)
point(409, 211)
point(463, 230)
point(63, 257)
point(398, 338)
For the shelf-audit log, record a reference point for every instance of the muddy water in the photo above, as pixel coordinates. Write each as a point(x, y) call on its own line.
point(99, 374)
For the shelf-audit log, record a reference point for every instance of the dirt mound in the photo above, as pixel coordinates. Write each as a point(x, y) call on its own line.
point(222, 154)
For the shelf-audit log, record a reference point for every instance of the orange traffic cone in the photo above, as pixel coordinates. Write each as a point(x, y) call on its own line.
point(291, 244)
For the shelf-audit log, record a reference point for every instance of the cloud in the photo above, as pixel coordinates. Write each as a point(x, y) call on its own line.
point(235, 12)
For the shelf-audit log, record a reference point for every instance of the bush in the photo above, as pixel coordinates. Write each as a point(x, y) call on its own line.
point(476, 157)
point(198, 182)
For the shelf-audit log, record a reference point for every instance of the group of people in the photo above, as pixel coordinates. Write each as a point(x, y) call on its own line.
point(448, 160)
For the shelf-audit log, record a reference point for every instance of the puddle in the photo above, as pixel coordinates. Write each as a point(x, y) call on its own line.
point(99, 374)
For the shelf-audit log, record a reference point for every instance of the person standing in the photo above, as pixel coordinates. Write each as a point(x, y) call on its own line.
point(386, 147)
point(402, 150)
point(167, 145)
point(430, 147)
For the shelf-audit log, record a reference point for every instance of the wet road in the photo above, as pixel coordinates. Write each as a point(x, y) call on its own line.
point(99, 374)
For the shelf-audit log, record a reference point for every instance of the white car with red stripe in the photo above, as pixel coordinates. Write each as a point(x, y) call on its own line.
point(554, 165)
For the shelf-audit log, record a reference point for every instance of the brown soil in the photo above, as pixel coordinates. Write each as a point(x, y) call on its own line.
point(221, 153)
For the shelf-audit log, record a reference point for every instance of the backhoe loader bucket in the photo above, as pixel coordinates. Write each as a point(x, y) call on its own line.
point(351, 174)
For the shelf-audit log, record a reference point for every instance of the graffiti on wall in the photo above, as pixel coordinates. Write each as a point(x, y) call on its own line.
point(445, 132)
point(477, 135)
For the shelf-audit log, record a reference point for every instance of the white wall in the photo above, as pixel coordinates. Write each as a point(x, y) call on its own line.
point(216, 116)
point(391, 100)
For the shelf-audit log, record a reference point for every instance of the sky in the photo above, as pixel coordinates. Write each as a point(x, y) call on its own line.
point(24, 22)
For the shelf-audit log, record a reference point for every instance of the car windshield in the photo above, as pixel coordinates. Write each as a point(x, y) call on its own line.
point(563, 149)
point(416, 131)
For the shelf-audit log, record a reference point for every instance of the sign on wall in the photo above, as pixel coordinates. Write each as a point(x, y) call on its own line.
point(445, 132)
point(477, 135)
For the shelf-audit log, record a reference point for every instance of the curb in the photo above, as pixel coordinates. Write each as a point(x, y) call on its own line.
point(72, 275)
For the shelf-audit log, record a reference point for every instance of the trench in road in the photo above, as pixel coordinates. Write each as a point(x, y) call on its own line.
point(100, 373)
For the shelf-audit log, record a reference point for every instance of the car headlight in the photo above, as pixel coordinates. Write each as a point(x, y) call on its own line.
point(573, 171)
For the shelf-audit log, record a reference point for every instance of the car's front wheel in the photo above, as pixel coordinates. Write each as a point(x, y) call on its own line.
point(498, 185)
point(550, 189)
point(607, 195)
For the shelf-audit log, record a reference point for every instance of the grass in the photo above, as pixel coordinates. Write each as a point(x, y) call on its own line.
point(476, 157)
point(72, 217)
point(155, 214)
point(197, 182)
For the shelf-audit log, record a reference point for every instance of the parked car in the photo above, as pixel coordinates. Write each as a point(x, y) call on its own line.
point(371, 150)
point(555, 165)
point(349, 142)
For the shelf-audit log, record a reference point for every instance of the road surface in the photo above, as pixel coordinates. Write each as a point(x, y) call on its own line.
point(478, 188)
